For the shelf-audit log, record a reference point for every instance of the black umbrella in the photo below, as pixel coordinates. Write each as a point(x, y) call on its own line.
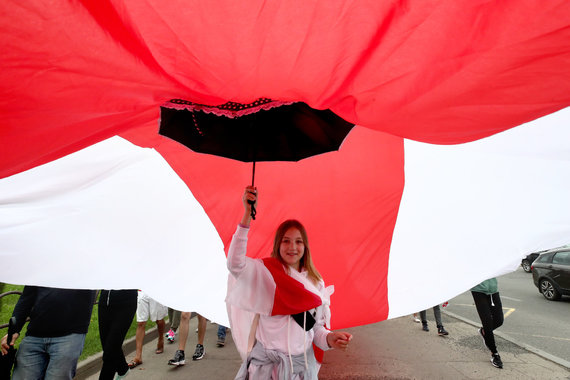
point(265, 130)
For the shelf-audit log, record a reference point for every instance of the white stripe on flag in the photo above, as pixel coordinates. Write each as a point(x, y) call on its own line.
point(472, 211)
point(112, 215)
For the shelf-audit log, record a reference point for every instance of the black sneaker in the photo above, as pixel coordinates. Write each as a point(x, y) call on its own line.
point(496, 361)
point(441, 331)
point(199, 353)
point(178, 358)
point(425, 327)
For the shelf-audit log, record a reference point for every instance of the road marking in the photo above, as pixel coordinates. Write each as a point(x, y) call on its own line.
point(509, 310)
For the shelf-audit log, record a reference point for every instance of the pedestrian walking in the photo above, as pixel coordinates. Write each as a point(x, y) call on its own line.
point(490, 310)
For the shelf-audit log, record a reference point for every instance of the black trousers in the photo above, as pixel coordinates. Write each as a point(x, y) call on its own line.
point(490, 310)
point(116, 313)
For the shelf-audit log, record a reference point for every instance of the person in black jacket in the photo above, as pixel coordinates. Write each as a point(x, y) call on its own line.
point(59, 320)
point(116, 311)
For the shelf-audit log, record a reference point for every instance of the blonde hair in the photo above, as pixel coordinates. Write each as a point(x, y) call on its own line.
point(306, 261)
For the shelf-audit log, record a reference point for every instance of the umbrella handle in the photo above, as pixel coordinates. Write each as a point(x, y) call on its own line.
point(252, 203)
point(253, 210)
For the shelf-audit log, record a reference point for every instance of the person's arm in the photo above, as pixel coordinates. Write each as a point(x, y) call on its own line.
point(324, 338)
point(24, 306)
point(238, 247)
point(21, 312)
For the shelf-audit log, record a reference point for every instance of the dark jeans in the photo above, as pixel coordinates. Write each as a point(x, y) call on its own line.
point(115, 318)
point(490, 311)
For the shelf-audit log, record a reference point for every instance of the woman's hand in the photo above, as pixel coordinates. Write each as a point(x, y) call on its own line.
point(339, 339)
point(250, 194)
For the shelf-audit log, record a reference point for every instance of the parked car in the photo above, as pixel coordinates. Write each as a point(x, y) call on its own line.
point(551, 273)
point(528, 260)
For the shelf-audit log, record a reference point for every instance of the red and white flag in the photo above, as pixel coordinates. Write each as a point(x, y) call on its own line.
point(92, 196)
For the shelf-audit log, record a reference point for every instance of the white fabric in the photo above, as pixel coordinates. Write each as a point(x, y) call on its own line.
point(277, 332)
point(472, 211)
point(112, 216)
point(148, 308)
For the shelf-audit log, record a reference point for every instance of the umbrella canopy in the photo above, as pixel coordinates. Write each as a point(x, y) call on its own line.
point(264, 130)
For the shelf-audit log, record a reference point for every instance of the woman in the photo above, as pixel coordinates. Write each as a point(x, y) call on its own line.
point(287, 320)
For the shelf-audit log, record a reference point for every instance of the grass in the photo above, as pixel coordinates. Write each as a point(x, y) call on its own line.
point(92, 341)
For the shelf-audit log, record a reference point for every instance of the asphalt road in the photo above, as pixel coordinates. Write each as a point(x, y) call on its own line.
point(529, 317)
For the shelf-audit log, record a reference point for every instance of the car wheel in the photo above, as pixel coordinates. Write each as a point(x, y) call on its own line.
point(548, 290)
point(526, 265)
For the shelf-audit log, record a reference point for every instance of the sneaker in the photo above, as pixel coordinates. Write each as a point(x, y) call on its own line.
point(221, 342)
point(482, 333)
point(496, 361)
point(441, 331)
point(178, 358)
point(170, 336)
point(425, 327)
point(416, 319)
point(120, 377)
point(199, 353)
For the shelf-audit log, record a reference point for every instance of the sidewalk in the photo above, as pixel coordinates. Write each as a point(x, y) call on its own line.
point(393, 349)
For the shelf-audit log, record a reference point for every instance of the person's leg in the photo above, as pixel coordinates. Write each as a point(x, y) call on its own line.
point(483, 305)
point(221, 336)
point(423, 317)
point(175, 321)
point(108, 368)
point(31, 359)
point(437, 315)
point(63, 354)
point(200, 351)
point(113, 356)
point(161, 325)
point(202, 324)
point(179, 357)
point(184, 327)
point(497, 311)
point(221, 331)
point(139, 339)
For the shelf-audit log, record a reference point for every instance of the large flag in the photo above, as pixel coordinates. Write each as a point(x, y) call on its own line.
point(395, 224)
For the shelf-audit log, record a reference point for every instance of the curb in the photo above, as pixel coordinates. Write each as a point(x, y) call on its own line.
point(534, 350)
point(92, 365)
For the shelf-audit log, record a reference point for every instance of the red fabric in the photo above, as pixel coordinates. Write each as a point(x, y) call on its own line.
point(73, 73)
point(291, 297)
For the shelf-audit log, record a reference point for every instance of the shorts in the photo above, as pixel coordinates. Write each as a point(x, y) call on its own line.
point(147, 308)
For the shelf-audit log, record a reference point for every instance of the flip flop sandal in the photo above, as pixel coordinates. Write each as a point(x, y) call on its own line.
point(134, 363)
point(159, 350)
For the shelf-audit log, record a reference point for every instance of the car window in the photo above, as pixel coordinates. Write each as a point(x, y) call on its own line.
point(545, 258)
point(561, 258)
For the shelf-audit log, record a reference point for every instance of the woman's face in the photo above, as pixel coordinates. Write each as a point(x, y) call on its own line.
point(292, 247)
